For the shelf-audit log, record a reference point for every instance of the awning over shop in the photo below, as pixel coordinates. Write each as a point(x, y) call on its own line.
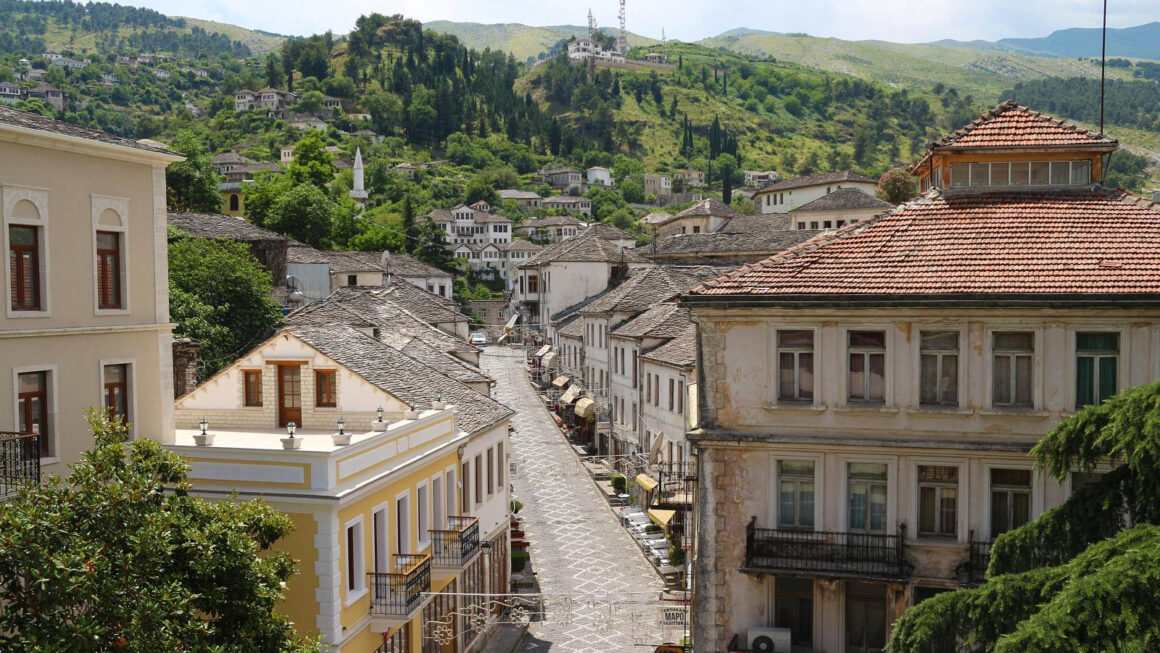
point(661, 517)
point(586, 408)
point(548, 359)
point(646, 482)
point(570, 395)
point(560, 381)
point(512, 320)
point(543, 350)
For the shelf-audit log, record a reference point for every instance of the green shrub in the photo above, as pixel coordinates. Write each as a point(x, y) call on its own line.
point(519, 560)
point(652, 528)
point(517, 505)
point(619, 483)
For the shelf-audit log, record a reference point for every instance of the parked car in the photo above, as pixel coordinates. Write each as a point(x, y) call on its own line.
point(478, 338)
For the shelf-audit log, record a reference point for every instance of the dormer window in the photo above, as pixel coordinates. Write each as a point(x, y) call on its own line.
point(1021, 173)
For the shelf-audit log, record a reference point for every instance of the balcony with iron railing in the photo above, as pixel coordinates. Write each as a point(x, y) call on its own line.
point(974, 570)
point(19, 462)
point(456, 545)
point(397, 595)
point(675, 485)
point(826, 554)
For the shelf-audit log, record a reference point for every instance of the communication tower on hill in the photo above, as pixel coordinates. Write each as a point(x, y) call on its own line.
point(622, 42)
point(591, 26)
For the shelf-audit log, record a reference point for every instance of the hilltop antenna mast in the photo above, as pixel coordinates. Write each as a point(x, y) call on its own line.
point(591, 26)
point(622, 42)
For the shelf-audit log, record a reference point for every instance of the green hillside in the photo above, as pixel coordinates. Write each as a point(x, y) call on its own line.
point(521, 41)
point(259, 42)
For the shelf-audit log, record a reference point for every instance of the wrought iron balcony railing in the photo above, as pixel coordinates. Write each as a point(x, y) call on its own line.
point(978, 560)
point(826, 554)
point(19, 462)
point(400, 593)
point(455, 546)
point(675, 485)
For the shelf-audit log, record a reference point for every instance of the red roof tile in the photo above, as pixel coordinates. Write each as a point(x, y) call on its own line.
point(1069, 244)
point(1012, 125)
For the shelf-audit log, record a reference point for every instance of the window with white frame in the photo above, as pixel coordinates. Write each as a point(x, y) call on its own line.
point(938, 500)
point(355, 559)
point(939, 368)
point(423, 514)
point(795, 365)
point(1097, 357)
point(402, 525)
point(1010, 499)
point(866, 497)
point(866, 378)
point(1012, 356)
point(381, 546)
point(795, 494)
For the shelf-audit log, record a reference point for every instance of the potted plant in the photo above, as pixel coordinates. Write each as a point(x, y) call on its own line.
point(619, 483)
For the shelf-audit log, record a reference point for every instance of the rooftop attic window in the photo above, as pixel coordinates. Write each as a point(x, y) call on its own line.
point(1021, 173)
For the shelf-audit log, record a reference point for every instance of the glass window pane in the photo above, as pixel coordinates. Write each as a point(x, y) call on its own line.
point(806, 376)
point(1020, 509)
point(786, 512)
point(938, 473)
point(949, 382)
point(1023, 380)
point(106, 240)
point(806, 503)
point(785, 375)
point(1011, 477)
point(980, 174)
point(857, 505)
point(796, 467)
point(999, 174)
point(1084, 381)
point(1107, 377)
point(1020, 174)
point(928, 377)
point(944, 340)
point(1000, 520)
point(114, 373)
point(960, 174)
point(877, 377)
point(1081, 172)
point(32, 382)
point(1001, 379)
point(878, 507)
point(1039, 173)
point(926, 516)
point(868, 339)
point(948, 504)
point(796, 339)
point(22, 235)
point(857, 376)
point(1014, 341)
point(875, 471)
point(1097, 341)
point(1060, 173)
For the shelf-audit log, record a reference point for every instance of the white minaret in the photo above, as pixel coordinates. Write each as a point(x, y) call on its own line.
point(358, 191)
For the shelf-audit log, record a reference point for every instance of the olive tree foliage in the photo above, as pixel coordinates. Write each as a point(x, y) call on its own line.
point(1085, 575)
point(119, 556)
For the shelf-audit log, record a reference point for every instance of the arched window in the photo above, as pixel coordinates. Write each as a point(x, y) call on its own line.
point(234, 202)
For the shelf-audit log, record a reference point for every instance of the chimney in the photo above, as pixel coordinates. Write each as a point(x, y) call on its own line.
point(186, 362)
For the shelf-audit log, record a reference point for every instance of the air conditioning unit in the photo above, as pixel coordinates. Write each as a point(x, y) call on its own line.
point(769, 640)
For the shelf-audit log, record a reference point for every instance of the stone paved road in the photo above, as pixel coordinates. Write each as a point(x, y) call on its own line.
point(581, 555)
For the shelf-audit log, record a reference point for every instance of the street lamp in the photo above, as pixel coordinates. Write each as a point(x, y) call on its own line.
point(290, 428)
point(204, 424)
point(341, 426)
point(379, 412)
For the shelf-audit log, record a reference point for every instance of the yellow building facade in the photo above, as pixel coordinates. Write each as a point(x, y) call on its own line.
point(390, 526)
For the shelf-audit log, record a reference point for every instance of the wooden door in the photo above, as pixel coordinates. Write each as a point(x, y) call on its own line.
point(289, 395)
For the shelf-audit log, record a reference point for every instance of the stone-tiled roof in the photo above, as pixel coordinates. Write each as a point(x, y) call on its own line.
point(565, 199)
point(446, 364)
point(665, 320)
point(10, 117)
point(645, 287)
point(681, 351)
point(588, 246)
point(1059, 245)
point(816, 180)
point(713, 207)
point(401, 375)
point(549, 221)
point(514, 194)
point(408, 266)
point(725, 243)
point(350, 261)
point(428, 306)
point(573, 329)
point(216, 225)
point(302, 253)
point(657, 217)
point(844, 199)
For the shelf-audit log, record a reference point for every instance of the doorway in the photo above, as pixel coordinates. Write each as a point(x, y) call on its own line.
point(289, 395)
point(865, 618)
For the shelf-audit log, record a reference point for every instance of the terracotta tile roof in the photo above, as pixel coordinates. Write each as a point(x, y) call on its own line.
point(681, 351)
point(1026, 245)
point(816, 180)
point(1012, 125)
point(844, 199)
point(401, 375)
point(10, 117)
point(216, 225)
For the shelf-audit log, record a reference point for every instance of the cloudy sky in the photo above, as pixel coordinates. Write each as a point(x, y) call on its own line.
point(893, 20)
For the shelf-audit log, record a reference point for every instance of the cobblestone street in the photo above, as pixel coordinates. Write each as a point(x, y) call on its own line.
point(602, 595)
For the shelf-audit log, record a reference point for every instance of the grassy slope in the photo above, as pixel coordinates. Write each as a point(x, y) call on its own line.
point(522, 41)
point(58, 37)
point(982, 73)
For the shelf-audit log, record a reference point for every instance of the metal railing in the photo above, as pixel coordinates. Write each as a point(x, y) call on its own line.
point(675, 484)
point(979, 558)
point(19, 462)
point(826, 553)
point(400, 593)
point(455, 546)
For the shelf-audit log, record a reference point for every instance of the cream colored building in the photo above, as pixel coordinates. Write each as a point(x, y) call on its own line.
point(837, 209)
point(870, 398)
point(86, 292)
point(785, 196)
